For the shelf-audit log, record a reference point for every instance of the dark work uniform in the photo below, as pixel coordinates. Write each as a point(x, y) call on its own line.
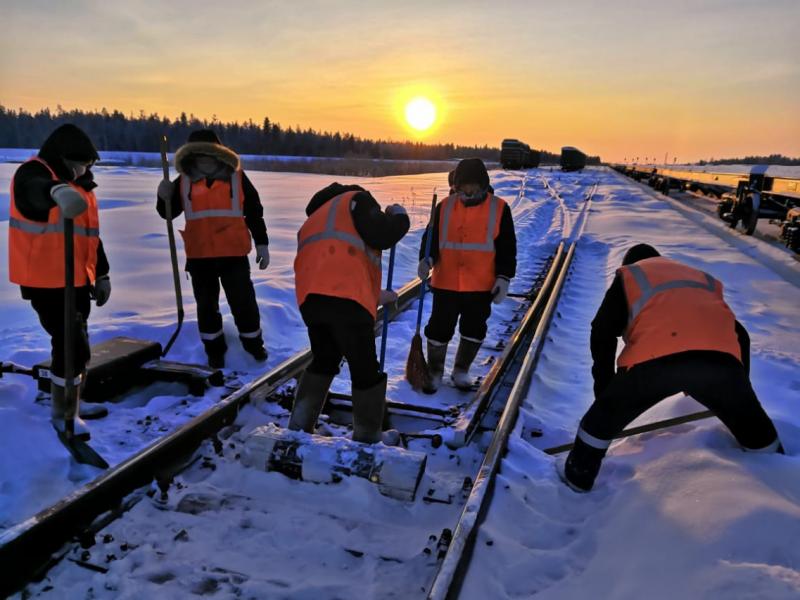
point(232, 272)
point(32, 185)
point(473, 308)
point(338, 327)
point(715, 379)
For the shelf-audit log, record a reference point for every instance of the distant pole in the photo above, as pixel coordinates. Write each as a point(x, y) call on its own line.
point(666, 154)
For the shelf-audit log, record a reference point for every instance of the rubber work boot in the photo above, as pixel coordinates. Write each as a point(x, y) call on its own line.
point(60, 412)
point(255, 348)
point(368, 407)
point(467, 351)
point(312, 391)
point(437, 352)
point(90, 411)
point(582, 466)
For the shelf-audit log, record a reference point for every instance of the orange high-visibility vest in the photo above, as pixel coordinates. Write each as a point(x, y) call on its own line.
point(466, 245)
point(674, 308)
point(214, 216)
point(36, 248)
point(333, 260)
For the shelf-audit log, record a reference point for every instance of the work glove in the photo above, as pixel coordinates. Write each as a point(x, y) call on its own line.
point(424, 268)
point(165, 189)
point(68, 199)
point(500, 289)
point(395, 209)
point(387, 297)
point(262, 256)
point(102, 290)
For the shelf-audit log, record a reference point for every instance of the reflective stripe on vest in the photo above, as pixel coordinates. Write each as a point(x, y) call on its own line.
point(32, 227)
point(648, 291)
point(331, 233)
point(190, 214)
point(487, 246)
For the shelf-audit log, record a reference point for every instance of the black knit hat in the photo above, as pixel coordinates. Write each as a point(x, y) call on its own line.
point(204, 135)
point(639, 252)
point(471, 170)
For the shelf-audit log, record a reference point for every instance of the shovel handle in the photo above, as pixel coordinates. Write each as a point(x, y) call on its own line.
point(70, 319)
point(428, 239)
point(385, 333)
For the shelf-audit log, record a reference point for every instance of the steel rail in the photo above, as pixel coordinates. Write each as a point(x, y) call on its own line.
point(450, 575)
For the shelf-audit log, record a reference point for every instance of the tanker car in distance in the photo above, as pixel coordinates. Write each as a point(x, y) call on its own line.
point(572, 159)
point(518, 155)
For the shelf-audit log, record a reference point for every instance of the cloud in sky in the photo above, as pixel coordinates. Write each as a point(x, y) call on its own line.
point(617, 78)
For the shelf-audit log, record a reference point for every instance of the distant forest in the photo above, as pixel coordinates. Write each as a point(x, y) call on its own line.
point(141, 133)
point(772, 159)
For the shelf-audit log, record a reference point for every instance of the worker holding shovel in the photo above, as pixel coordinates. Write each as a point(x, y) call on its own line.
point(53, 187)
point(338, 286)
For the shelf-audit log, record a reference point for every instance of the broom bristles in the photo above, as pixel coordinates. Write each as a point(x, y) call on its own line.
point(417, 372)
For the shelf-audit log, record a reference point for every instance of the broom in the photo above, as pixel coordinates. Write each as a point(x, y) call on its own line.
point(417, 372)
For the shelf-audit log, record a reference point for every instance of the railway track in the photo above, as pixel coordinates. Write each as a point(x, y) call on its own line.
point(31, 548)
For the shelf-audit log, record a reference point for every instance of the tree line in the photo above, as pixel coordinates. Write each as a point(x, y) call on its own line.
point(141, 133)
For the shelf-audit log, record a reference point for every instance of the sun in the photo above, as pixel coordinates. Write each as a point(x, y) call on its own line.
point(420, 113)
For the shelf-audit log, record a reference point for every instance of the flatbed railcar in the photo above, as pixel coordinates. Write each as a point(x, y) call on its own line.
point(743, 198)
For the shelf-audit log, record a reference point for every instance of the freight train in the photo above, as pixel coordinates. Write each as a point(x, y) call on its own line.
point(572, 159)
point(518, 155)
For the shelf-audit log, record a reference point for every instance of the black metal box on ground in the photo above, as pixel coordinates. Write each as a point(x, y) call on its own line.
point(114, 367)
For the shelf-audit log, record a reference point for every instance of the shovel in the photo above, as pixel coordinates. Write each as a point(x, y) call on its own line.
point(173, 253)
point(80, 450)
point(417, 372)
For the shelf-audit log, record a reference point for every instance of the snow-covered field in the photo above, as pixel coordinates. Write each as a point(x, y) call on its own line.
point(681, 513)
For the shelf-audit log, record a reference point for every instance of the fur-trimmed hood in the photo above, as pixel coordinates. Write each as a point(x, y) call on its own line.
point(186, 153)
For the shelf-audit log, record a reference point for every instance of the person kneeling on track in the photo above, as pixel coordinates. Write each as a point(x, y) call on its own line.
point(473, 257)
point(222, 210)
point(338, 286)
point(59, 183)
point(680, 336)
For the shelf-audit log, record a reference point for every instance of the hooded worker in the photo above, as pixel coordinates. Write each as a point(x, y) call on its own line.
point(680, 336)
point(58, 183)
point(473, 258)
point(338, 285)
point(223, 211)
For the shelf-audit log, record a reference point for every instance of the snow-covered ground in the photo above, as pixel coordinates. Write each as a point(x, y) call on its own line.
point(34, 470)
point(681, 513)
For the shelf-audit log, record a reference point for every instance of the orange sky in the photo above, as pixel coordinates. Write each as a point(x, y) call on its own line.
point(618, 79)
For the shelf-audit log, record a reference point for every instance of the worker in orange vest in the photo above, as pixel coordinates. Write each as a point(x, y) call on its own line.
point(473, 257)
point(222, 210)
point(59, 183)
point(338, 286)
point(680, 336)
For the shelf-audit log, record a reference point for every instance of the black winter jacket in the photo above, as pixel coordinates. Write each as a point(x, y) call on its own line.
point(33, 182)
point(505, 244)
point(376, 228)
point(253, 210)
point(609, 324)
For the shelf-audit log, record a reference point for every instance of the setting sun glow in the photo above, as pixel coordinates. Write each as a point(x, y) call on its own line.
point(420, 114)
